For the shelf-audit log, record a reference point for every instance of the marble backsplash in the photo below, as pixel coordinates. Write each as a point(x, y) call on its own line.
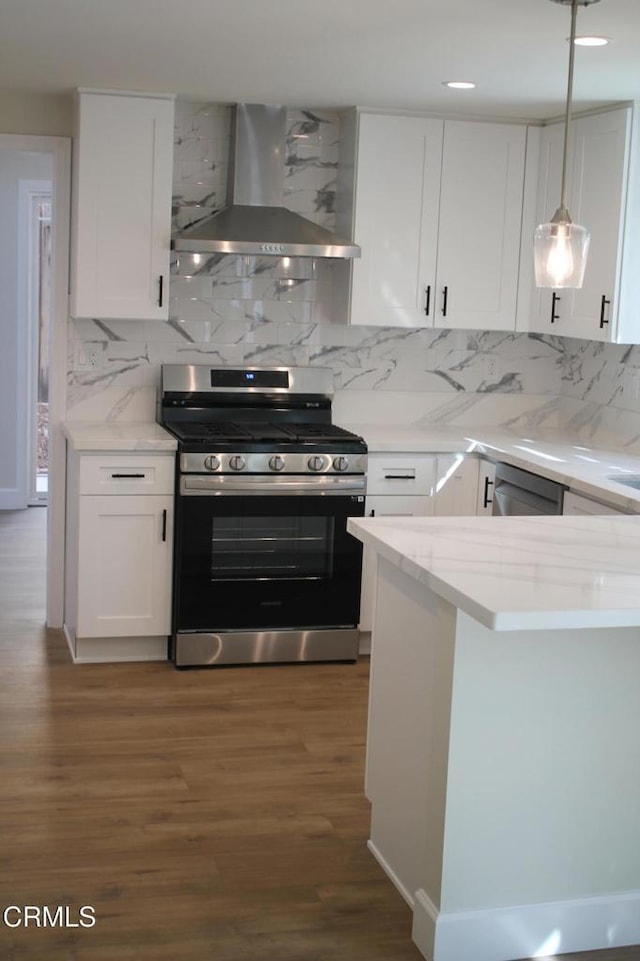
point(249, 310)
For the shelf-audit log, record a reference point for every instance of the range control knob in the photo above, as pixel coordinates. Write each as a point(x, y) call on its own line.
point(276, 462)
point(212, 462)
point(340, 463)
point(316, 463)
point(237, 462)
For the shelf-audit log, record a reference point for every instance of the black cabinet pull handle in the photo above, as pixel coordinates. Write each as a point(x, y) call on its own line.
point(128, 476)
point(164, 525)
point(160, 289)
point(399, 476)
point(603, 304)
point(445, 296)
point(427, 305)
point(372, 513)
point(486, 500)
point(555, 299)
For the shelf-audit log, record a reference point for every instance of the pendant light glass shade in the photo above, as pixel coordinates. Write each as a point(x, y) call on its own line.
point(560, 247)
point(560, 252)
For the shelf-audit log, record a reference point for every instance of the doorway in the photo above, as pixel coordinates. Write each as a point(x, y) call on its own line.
point(34, 311)
point(33, 362)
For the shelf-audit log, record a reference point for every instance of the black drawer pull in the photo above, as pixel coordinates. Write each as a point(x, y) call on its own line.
point(486, 500)
point(555, 299)
point(399, 476)
point(427, 305)
point(445, 297)
point(160, 289)
point(164, 525)
point(603, 305)
point(128, 476)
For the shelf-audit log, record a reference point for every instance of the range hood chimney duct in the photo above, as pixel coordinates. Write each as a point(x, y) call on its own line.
point(256, 222)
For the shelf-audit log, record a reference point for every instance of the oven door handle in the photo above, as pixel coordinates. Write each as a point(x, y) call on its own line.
point(199, 485)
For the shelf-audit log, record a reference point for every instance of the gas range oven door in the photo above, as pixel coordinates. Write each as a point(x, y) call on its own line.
point(265, 570)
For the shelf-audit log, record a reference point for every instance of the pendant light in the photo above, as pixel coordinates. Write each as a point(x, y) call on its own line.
point(561, 247)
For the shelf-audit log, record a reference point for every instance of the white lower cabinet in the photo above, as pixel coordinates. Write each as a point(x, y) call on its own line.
point(119, 556)
point(456, 489)
point(421, 485)
point(486, 486)
point(398, 485)
point(577, 505)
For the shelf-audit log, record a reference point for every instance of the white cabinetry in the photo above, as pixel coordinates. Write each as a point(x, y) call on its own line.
point(456, 488)
point(121, 206)
point(486, 486)
point(579, 505)
point(604, 196)
point(398, 485)
point(119, 553)
point(438, 214)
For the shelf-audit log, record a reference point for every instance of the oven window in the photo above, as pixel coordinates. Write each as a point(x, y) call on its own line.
point(246, 548)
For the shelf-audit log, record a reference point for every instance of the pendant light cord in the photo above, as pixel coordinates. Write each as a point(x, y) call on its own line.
point(567, 119)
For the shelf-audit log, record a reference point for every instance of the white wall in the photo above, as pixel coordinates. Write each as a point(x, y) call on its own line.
point(45, 115)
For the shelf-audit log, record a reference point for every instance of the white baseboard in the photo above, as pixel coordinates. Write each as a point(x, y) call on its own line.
point(390, 873)
point(106, 650)
point(528, 930)
point(70, 635)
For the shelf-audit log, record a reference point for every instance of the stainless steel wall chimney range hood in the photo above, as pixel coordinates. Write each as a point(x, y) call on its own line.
point(256, 222)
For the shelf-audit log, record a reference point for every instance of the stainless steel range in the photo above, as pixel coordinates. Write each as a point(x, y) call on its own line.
point(265, 570)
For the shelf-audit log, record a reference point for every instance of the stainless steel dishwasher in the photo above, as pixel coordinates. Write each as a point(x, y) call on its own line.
point(519, 492)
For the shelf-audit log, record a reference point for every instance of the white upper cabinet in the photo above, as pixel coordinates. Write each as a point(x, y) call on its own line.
point(548, 308)
point(397, 203)
point(603, 196)
point(121, 212)
point(438, 214)
point(480, 224)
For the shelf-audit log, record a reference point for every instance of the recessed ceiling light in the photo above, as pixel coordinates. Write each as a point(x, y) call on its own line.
point(592, 41)
point(459, 84)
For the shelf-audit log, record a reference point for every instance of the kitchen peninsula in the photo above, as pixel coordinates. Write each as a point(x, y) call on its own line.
point(502, 760)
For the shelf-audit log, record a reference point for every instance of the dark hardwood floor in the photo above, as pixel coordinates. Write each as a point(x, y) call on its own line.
point(204, 815)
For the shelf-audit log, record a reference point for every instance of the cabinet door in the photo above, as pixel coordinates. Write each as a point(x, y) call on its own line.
point(384, 506)
point(549, 313)
point(124, 566)
point(480, 224)
point(597, 199)
point(396, 220)
point(456, 489)
point(121, 224)
point(486, 486)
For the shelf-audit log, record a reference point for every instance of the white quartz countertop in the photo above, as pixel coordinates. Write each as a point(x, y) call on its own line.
point(524, 573)
point(121, 436)
point(585, 468)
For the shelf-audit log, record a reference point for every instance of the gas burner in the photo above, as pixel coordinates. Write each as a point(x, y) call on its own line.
point(256, 421)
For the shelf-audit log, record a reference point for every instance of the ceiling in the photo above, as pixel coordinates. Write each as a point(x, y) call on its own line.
point(393, 54)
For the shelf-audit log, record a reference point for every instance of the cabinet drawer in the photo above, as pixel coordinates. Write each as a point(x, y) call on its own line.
point(395, 505)
point(577, 504)
point(403, 474)
point(126, 474)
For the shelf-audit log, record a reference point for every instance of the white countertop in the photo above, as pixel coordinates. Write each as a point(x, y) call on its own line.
point(556, 455)
point(524, 573)
point(120, 436)
point(586, 469)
